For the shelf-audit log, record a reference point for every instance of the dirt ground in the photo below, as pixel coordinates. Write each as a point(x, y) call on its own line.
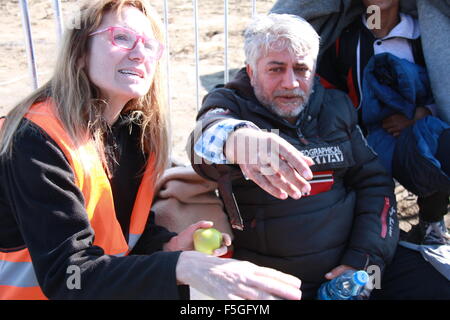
point(15, 78)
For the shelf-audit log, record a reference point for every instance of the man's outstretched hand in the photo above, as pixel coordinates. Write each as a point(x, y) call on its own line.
point(271, 162)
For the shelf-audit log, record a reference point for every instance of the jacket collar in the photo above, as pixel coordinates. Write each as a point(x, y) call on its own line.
point(407, 28)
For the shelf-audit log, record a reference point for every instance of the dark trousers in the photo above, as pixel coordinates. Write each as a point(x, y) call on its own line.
point(410, 277)
point(434, 207)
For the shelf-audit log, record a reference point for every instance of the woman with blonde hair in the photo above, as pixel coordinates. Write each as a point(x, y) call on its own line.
point(79, 160)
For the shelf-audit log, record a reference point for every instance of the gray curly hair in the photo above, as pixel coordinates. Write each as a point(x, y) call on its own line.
point(277, 32)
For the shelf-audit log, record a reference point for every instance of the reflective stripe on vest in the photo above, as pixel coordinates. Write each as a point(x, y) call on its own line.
point(17, 276)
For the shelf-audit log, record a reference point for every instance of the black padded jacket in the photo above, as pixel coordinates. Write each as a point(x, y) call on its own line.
point(352, 221)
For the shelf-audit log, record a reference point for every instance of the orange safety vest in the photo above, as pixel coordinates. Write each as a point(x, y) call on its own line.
point(17, 276)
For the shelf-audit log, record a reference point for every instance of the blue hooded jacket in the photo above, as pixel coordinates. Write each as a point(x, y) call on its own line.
point(393, 85)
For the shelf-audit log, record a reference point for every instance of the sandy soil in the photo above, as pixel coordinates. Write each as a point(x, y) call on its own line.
point(15, 78)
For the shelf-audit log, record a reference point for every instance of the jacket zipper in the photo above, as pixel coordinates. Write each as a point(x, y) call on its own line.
point(299, 128)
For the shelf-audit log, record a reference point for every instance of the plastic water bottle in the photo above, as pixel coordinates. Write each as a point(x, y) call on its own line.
point(345, 287)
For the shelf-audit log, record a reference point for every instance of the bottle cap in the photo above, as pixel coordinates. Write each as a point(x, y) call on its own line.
point(360, 277)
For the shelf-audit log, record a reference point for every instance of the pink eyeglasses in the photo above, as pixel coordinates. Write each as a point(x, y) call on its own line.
point(127, 39)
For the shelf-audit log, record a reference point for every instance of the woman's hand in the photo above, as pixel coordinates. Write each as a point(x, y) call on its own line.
point(222, 278)
point(184, 240)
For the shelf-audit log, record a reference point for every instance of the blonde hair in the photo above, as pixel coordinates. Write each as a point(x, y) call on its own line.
point(77, 100)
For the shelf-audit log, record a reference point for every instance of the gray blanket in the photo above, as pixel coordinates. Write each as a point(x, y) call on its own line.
point(330, 17)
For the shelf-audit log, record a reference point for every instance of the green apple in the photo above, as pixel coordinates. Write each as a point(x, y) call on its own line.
point(207, 240)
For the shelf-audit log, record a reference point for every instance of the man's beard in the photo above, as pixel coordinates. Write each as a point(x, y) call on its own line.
point(270, 104)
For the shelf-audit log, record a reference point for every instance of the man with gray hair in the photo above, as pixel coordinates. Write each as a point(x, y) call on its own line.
point(282, 36)
point(304, 193)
